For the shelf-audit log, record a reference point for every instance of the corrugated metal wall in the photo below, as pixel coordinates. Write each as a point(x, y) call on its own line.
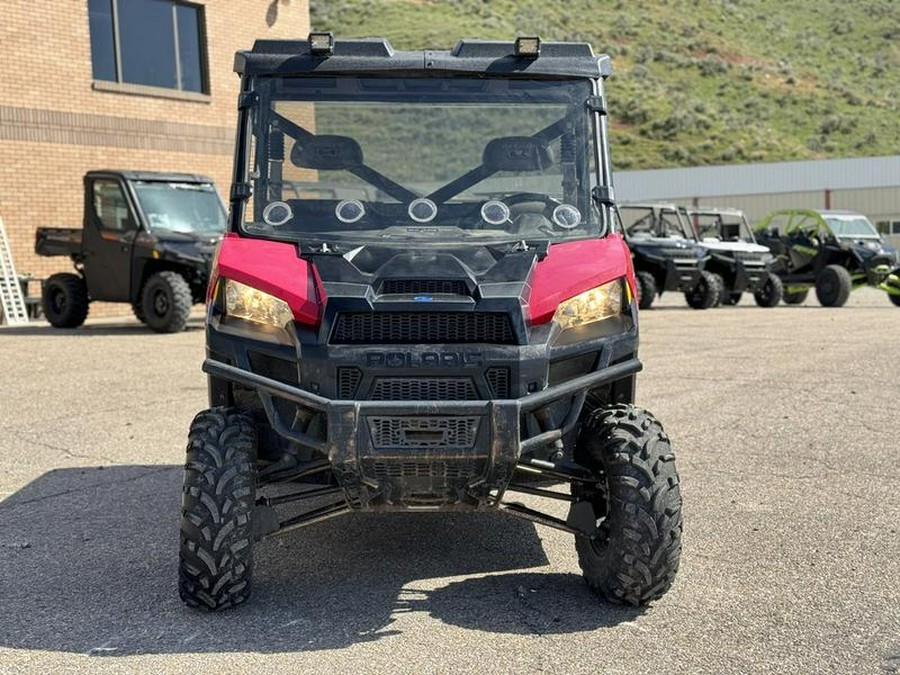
point(867, 185)
point(876, 203)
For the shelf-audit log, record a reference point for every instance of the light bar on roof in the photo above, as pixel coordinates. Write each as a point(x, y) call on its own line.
point(528, 47)
point(321, 44)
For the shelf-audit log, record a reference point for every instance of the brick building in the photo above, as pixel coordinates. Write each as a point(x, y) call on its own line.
point(123, 84)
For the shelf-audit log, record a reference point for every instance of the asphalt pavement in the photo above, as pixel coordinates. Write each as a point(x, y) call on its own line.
point(786, 428)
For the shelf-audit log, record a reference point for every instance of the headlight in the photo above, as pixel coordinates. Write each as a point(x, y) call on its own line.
point(591, 306)
point(246, 302)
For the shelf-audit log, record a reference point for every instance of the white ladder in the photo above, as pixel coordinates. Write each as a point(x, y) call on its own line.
point(11, 300)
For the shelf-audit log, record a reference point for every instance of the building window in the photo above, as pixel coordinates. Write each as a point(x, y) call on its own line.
point(156, 43)
point(888, 226)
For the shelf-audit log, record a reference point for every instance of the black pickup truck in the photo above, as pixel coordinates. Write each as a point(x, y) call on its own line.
point(148, 239)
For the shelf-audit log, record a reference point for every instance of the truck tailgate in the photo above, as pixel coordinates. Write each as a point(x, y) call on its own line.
point(50, 241)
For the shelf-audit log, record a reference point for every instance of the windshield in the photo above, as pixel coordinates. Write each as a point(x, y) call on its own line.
point(443, 159)
point(654, 221)
point(181, 207)
point(851, 227)
point(724, 226)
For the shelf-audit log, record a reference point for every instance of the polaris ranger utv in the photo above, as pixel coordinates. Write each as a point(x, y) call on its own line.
point(667, 256)
point(422, 303)
point(741, 263)
point(147, 239)
point(833, 251)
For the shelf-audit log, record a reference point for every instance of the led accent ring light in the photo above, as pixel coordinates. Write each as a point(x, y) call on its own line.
point(349, 211)
point(277, 213)
point(422, 210)
point(494, 212)
point(567, 216)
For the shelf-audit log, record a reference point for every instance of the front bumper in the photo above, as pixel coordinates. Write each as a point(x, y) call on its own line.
point(750, 275)
point(682, 274)
point(422, 454)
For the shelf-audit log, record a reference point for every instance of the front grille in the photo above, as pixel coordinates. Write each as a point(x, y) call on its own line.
point(424, 389)
point(447, 469)
point(423, 432)
point(422, 328)
point(424, 287)
point(348, 382)
point(498, 379)
point(750, 256)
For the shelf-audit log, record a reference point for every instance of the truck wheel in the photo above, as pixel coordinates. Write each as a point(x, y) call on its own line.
point(166, 302)
point(706, 292)
point(634, 555)
point(720, 282)
point(796, 298)
point(646, 287)
point(895, 299)
point(216, 552)
point(65, 300)
point(731, 298)
point(139, 312)
point(833, 286)
point(770, 293)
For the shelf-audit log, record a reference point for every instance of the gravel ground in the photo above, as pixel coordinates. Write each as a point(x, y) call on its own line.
point(786, 430)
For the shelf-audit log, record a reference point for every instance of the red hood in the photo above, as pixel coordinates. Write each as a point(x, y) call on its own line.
point(273, 267)
point(575, 267)
point(567, 270)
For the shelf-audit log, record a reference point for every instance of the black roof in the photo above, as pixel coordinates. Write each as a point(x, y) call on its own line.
point(376, 56)
point(152, 175)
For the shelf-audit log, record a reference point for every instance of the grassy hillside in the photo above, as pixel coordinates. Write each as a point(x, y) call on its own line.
point(710, 83)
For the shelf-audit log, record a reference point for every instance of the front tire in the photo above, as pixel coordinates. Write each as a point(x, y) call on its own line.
point(634, 555)
point(771, 292)
point(216, 552)
point(65, 300)
point(833, 286)
point(139, 313)
point(707, 291)
point(646, 286)
point(795, 298)
point(895, 299)
point(166, 302)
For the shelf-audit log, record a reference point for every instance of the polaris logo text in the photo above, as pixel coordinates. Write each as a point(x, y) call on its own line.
point(424, 359)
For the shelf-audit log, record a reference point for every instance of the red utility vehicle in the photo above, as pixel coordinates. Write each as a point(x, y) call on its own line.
point(423, 303)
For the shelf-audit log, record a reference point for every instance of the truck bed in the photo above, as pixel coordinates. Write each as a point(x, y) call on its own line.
point(53, 241)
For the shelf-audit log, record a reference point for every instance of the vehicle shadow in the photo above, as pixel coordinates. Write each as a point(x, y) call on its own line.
point(90, 330)
point(88, 565)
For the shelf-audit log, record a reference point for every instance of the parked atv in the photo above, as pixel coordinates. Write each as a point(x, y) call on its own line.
point(833, 251)
point(741, 263)
point(425, 306)
point(667, 256)
point(147, 239)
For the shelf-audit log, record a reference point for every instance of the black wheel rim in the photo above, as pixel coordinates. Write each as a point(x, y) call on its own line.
point(57, 301)
point(160, 303)
point(597, 495)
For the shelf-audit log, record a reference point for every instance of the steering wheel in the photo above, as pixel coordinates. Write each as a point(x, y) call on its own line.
point(550, 203)
point(526, 197)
